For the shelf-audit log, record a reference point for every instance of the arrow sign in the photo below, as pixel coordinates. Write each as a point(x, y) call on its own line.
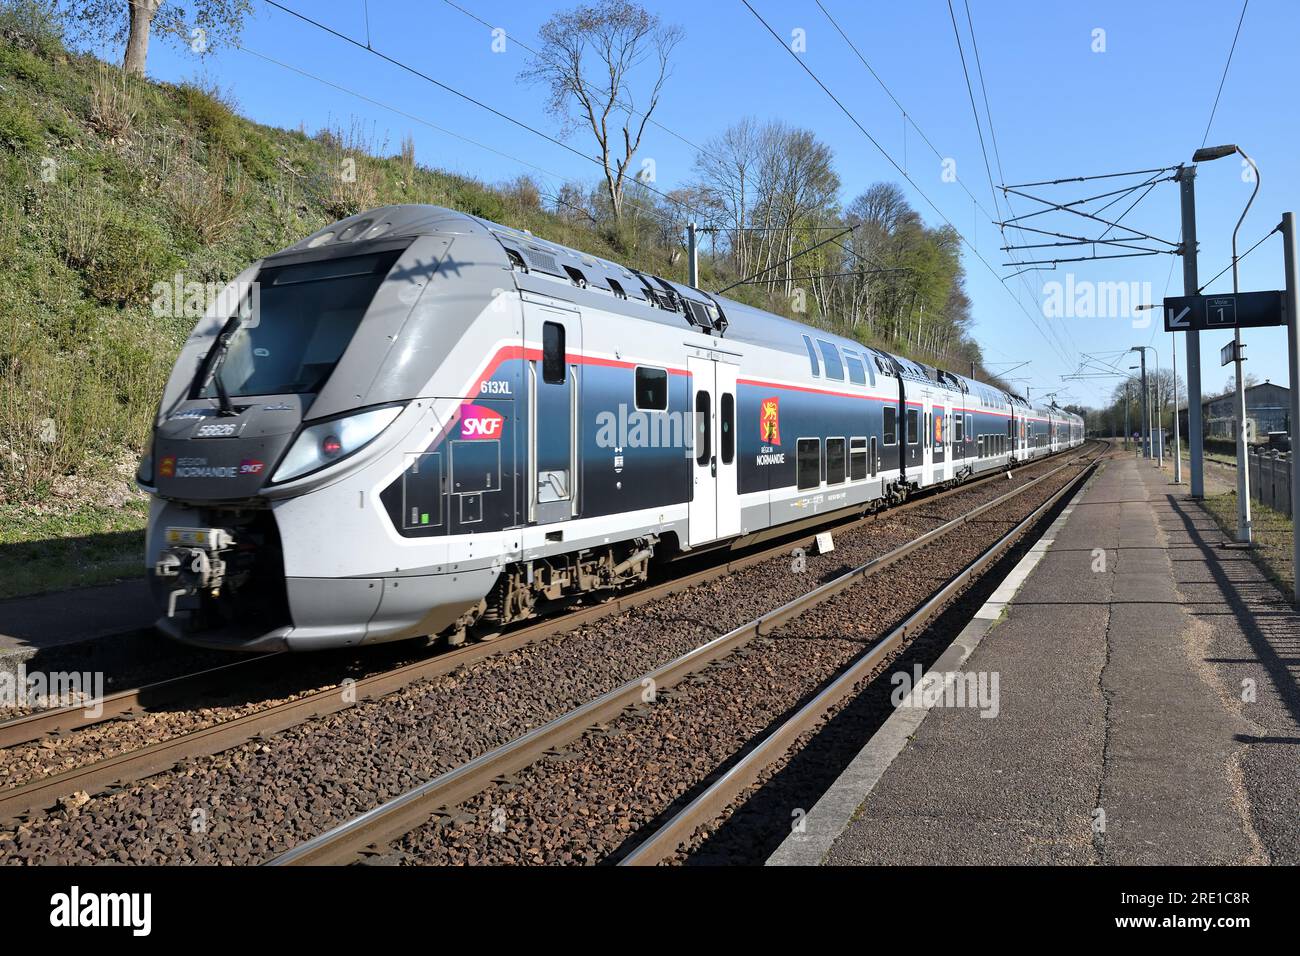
point(1240, 310)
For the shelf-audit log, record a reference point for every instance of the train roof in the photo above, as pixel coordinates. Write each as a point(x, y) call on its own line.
point(639, 294)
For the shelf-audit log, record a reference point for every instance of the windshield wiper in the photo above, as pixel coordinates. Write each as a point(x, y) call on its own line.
point(214, 370)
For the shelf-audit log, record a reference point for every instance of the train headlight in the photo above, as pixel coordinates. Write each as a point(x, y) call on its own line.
point(328, 442)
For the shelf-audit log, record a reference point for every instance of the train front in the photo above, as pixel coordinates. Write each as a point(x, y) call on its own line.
point(290, 409)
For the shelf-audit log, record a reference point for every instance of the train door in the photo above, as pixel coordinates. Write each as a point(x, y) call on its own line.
point(714, 510)
point(927, 441)
point(941, 438)
point(553, 336)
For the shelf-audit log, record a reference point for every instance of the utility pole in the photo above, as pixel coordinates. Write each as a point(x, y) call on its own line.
point(1293, 362)
point(1128, 430)
point(1195, 438)
point(1178, 442)
point(1145, 421)
point(693, 248)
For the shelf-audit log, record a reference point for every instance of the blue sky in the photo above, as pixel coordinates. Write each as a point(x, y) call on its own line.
point(1059, 109)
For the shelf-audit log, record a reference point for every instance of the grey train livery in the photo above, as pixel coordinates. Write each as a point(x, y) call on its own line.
point(416, 422)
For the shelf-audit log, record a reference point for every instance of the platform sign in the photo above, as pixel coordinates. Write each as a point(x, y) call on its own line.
point(1228, 354)
point(1241, 310)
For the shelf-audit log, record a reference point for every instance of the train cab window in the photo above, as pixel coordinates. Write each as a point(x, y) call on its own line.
point(651, 389)
point(703, 428)
point(857, 374)
point(812, 356)
point(808, 464)
point(857, 459)
point(727, 425)
point(831, 355)
point(553, 364)
point(834, 461)
point(913, 426)
point(890, 425)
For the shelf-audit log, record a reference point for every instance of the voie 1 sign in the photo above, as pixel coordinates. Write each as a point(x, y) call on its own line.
point(1239, 310)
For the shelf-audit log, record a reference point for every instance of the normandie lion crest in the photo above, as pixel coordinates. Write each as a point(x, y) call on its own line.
point(769, 422)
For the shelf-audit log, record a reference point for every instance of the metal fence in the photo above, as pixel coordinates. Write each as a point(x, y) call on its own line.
point(1270, 479)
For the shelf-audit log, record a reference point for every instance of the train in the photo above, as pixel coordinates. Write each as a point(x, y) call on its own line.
point(419, 423)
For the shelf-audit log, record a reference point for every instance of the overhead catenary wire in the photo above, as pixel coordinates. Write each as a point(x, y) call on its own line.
point(470, 99)
point(961, 53)
point(1260, 242)
point(870, 138)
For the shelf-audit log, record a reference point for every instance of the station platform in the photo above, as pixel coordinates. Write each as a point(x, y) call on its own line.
point(1148, 709)
point(29, 625)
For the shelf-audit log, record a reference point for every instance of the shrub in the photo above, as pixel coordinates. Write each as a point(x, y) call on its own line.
point(114, 102)
point(130, 258)
point(207, 197)
point(33, 24)
point(26, 66)
point(19, 130)
point(211, 111)
point(119, 259)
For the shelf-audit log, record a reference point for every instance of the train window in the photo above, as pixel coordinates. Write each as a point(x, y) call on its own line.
point(857, 459)
point(969, 429)
point(651, 389)
point(812, 356)
point(958, 423)
point(808, 464)
point(873, 456)
point(834, 461)
point(728, 426)
point(857, 374)
point(703, 428)
point(891, 425)
point(834, 367)
point(913, 426)
point(553, 367)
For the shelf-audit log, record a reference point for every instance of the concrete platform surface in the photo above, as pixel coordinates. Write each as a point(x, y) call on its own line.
point(1148, 708)
point(43, 621)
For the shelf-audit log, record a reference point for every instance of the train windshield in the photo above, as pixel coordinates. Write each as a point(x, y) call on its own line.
point(302, 318)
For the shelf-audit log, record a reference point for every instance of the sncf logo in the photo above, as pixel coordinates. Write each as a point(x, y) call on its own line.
point(479, 422)
point(251, 466)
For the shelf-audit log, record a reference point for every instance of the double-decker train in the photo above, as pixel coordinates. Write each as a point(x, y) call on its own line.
point(417, 422)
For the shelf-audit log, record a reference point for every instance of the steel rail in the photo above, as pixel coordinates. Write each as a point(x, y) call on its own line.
point(134, 765)
point(351, 840)
point(720, 794)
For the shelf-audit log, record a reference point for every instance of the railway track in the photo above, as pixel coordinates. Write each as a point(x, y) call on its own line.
point(371, 834)
point(61, 724)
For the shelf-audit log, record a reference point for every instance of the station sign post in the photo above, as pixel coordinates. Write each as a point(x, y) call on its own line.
point(1291, 304)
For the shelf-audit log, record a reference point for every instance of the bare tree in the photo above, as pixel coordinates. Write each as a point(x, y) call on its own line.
point(203, 26)
point(615, 37)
